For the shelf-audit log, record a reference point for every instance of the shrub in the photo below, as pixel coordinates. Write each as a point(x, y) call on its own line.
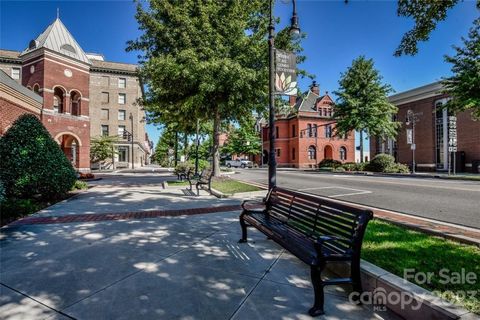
point(339, 169)
point(183, 167)
point(2, 192)
point(360, 166)
point(349, 166)
point(32, 162)
point(13, 208)
point(397, 168)
point(381, 162)
point(330, 163)
point(80, 185)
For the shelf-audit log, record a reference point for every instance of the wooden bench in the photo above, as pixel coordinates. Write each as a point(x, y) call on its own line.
point(314, 229)
point(205, 178)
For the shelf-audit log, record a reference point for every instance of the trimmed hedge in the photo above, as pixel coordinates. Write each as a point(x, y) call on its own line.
point(380, 163)
point(330, 163)
point(32, 163)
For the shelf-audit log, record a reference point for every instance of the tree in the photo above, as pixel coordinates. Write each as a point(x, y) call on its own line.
point(464, 85)
point(32, 163)
point(204, 60)
point(362, 102)
point(165, 144)
point(102, 148)
point(426, 14)
point(244, 139)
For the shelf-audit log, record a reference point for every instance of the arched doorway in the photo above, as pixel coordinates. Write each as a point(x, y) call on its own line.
point(70, 146)
point(328, 152)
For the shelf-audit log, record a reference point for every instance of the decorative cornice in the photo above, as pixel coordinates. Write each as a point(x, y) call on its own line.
point(420, 93)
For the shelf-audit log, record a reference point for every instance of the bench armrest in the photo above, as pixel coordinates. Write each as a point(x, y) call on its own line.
point(257, 204)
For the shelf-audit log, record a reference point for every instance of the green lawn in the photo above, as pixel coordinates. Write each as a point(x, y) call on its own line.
point(395, 248)
point(230, 186)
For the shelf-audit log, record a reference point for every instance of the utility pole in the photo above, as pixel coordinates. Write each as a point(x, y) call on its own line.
point(197, 143)
point(412, 119)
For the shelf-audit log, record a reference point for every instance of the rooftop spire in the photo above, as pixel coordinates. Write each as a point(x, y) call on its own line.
point(58, 13)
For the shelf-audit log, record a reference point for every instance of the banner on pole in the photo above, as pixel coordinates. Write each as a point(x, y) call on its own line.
point(409, 136)
point(452, 134)
point(285, 73)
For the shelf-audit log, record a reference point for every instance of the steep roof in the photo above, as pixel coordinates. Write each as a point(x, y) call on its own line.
point(57, 38)
point(9, 82)
point(309, 103)
point(11, 54)
point(114, 66)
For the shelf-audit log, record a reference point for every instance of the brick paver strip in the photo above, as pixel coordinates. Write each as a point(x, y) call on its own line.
point(122, 215)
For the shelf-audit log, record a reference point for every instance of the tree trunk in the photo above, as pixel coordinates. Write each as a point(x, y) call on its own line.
point(216, 143)
point(185, 145)
point(361, 146)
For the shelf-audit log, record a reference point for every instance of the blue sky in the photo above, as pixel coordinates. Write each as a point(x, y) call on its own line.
point(336, 34)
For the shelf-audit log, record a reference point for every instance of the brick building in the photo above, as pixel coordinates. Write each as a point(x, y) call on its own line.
point(431, 132)
point(304, 134)
point(71, 87)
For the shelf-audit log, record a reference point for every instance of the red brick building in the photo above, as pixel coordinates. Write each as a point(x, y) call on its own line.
point(77, 96)
point(431, 132)
point(304, 134)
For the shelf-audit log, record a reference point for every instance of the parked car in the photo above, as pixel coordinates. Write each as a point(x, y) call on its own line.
point(239, 163)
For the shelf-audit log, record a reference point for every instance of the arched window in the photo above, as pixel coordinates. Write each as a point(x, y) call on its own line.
point(312, 153)
point(58, 96)
point(68, 48)
point(36, 88)
point(75, 101)
point(343, 153)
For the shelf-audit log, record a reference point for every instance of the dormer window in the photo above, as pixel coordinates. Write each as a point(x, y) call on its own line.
point(68, 48)
point(32, 44)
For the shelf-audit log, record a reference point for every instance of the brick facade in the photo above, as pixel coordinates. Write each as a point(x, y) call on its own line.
point(297, 143)
point(430, 140)
point(10, 111)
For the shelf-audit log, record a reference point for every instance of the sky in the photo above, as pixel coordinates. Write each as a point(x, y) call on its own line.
point(337, 33)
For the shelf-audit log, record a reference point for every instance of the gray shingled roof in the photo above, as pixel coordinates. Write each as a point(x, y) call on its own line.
point(308, 104)
point(6, 80)
point(57, 38)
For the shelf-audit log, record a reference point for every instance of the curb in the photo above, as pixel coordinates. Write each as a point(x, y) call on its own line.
point(422, 304)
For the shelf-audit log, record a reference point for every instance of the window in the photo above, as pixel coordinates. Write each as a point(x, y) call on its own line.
point(16, 73)
point(105, 97)
point(121, 130)
point(122, 114)
point(122, 83)
point(122, 97)
point(309, 130)
point(278, 152)
point(36, 88)
point(293, 153)
point(104, 130)
point(68, 48)
point(122, 154)
point(343, 153)
point(328, 131)
point(312, 153)
point(294, 131)
point(104, 114)
point(277, 132)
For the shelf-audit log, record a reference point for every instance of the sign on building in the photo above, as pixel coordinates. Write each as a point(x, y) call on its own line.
point(452, 134)
point(285, 73)
point(409, 136)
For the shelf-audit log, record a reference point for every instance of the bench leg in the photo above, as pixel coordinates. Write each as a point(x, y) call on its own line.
point(317, 283)
point(356, 279)
point(244, 228)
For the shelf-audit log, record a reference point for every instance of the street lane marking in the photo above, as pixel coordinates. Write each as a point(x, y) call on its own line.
point(350, 194)
point(358, 191)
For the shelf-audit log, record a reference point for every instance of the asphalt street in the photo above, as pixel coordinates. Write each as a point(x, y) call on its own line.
point(450, 201)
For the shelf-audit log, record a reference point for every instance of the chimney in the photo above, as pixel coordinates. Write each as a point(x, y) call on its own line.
point(292, 100)
point(315, 88)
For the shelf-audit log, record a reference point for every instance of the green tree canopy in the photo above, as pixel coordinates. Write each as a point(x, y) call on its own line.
point(464, 85)
point(362, 102)
point(243, 139)
point(426, 15)
point(102, 148)
point(32, 163)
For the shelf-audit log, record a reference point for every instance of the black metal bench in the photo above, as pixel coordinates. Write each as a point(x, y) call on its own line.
point(314, 229)
point(205, 178)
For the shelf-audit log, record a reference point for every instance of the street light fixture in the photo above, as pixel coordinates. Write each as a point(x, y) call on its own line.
point(294, 32)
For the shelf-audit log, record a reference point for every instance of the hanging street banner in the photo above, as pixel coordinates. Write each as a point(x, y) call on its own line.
point(452, 134)
point(409, 136)
point(285, 73)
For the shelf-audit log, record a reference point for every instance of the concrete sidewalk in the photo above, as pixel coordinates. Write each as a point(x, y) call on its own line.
point(182, 267)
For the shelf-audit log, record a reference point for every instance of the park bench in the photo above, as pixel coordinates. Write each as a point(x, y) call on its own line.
point(205, 178)
point(314, 229)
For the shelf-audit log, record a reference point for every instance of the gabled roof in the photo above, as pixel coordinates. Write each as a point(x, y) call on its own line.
point(9, 82)
point(57, 38)
point(309, 103)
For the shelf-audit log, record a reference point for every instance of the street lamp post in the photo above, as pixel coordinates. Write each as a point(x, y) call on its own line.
point(197, 143)
point(294, 30)
point(131, 140)
point(412, 119)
